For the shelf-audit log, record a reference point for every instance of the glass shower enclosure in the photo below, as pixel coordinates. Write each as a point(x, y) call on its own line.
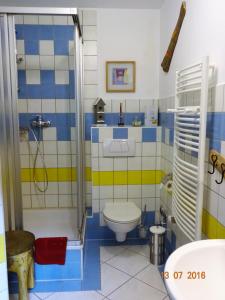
point(41, 138)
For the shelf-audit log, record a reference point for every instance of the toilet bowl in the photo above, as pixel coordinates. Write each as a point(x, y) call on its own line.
point(121, 217)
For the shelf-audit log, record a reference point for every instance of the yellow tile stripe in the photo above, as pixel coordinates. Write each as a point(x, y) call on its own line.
point(211, 227)
point(133, 177)
point(54, 174)
point(2, 249)
point(88, 174)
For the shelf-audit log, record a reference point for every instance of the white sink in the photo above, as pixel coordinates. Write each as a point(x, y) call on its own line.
point(202, 256)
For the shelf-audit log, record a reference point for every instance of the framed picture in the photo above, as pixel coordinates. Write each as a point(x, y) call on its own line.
point(120, 76)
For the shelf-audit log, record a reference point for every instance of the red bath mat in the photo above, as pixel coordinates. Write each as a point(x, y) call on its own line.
point(50, 250)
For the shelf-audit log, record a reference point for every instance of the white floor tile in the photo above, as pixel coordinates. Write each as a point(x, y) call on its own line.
point(151, 276)
point(108, 252)
point(111, 279)
point(129, 262)
point(134, 290)
point(90, 295)
point(140, 249)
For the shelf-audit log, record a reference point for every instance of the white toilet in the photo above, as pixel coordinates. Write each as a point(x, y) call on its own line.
point(121, 217)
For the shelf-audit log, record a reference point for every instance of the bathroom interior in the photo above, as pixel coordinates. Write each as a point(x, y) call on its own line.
point(112, 157)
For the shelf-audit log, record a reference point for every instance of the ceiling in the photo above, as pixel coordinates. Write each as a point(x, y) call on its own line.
point(141, 4)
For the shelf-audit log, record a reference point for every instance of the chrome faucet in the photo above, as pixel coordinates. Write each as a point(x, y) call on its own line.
point(38, 122)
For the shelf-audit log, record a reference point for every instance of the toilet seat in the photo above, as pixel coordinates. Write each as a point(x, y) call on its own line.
point(122, 212)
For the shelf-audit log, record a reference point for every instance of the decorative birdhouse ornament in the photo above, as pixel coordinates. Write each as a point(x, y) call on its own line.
point(99, 111)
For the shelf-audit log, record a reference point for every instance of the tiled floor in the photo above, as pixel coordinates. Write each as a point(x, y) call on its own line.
point(126, 274)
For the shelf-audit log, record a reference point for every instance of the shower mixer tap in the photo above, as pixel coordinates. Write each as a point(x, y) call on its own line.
point(38, 122)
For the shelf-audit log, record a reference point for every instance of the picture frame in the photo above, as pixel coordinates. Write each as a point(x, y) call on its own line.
point(120, 76)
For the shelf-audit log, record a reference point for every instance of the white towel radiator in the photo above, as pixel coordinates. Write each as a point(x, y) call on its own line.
point(189, 137)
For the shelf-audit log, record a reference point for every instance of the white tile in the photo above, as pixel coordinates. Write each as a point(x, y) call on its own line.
point(60, 20)
point(38, 200)
point(88, 105)
point(140, 249)
point(61, 62)
point(18, 19)
point(94, 150)
point(136, 201)
point(150, 203)
point(48, 106)
point(84, 295)
point(90, 77)
point(135, 133)
point(47, 62)
point(51, 201)
point(49, 134)
point(32, 62)
point(95, 192)
point(134, 191)
point(89, 17)
point(152, 277)
point(108, 252)
point(148, 190)
point(45, 20)
point(71, 62)
point(62, 106)
point(90, 48)
point(64, 147)
point(105, 133)
point(129, 262)
point(106, 192)
point(24, 148)
point(61, 77)
point(90, 33)
point(24, 161)
point(30, 19)
point(65, 201)
point(64, 161)
point(135, 289)
point(120, 192)
point(65, 188)
point(21, 65)
point(51, 161)
point(111, 279)
point(22, 106)
point(149, 149)
point(106, 164)
point(144, 103)
point(33, 77)
point(71, 48)
point(120, 164)
point(134, 163)
point(46, 47)
point(221, 209)
point(116, 105)
point(20, 46)
point(90, 91)
point(50, 147)
point(26, 199)
point(132, 105)
point(34, 105)
point(212, 203)
point(25, 188)
point(90, 62)
point(52, 188)
point(148, 163)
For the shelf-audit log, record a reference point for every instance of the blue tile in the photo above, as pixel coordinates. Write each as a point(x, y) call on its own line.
point(46, 32)
point(65, 32)
point(21, 77)
point(215, 144)
point(130, 117)
point(63, 133)
point(171, 137)
point(31, 47)
point(19, 31)
point(33, 91)
point(148, 134)
point(95, 135)
point(47, 77)
point(62, 91)
point(47, 91)
point(31, 32)
point(61, 47)
point(120, 133)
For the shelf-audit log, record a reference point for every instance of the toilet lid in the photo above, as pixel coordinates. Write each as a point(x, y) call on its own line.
point(121, 212)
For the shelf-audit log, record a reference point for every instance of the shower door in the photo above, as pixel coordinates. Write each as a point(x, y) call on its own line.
point(9, 143)
point(55, 93)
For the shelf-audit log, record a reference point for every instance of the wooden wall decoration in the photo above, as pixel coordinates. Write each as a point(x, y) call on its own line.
point(169, 53)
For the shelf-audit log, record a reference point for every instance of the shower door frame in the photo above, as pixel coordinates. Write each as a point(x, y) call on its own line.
point(16, 219)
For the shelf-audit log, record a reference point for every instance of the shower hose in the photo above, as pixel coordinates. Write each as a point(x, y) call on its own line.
point(39, 152)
